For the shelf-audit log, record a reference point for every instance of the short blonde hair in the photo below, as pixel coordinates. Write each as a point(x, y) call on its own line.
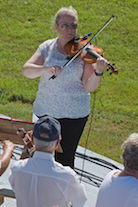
point(63, 11)
point(130, 153)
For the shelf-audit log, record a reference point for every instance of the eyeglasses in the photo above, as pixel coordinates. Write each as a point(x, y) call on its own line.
point(66, 26)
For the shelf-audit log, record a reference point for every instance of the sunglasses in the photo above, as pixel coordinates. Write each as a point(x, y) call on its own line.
point(66, 26)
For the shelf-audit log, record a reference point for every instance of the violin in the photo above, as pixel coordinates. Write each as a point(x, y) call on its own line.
point(77, 45)
point(89, 54)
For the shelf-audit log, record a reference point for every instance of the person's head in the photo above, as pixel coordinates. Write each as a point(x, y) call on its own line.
point(130, 153)
point(66, 11)
point(66, 20)
point(46, 134)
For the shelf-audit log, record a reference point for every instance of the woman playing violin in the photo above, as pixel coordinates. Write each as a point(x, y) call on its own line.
point(66, 97)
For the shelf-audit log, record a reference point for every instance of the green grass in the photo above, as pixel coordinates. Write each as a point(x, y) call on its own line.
point(26, 24)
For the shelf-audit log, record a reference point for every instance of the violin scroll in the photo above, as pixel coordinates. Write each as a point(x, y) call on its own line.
point(114, 70)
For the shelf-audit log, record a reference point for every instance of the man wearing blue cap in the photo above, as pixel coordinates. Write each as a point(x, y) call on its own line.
point(40, 181)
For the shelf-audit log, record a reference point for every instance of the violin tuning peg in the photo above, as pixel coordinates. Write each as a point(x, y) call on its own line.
point(111, 73)
point(107, 69)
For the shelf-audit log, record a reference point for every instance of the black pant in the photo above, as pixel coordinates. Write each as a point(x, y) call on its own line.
point(71, 130)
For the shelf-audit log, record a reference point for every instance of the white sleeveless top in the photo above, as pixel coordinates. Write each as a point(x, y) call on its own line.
point(64, 96)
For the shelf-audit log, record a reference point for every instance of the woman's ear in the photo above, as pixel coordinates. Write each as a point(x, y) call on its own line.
point(56, 26)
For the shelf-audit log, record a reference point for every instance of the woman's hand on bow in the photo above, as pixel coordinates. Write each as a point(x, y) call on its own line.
point(55, 70)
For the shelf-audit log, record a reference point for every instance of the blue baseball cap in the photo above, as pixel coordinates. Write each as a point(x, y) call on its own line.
point(47, 129)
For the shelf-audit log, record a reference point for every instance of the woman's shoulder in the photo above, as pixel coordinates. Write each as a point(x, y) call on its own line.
point(46, 45)
point(48, 42)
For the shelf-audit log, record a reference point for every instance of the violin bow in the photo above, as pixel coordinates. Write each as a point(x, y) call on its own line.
point(79, 52)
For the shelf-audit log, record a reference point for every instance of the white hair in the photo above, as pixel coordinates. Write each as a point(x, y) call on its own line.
point(130, 153)
point(44, 145)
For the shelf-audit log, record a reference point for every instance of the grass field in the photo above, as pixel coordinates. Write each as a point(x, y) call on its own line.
point(26, 24)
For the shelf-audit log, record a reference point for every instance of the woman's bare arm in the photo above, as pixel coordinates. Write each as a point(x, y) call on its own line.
point(90, 80)
point(34, 68)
